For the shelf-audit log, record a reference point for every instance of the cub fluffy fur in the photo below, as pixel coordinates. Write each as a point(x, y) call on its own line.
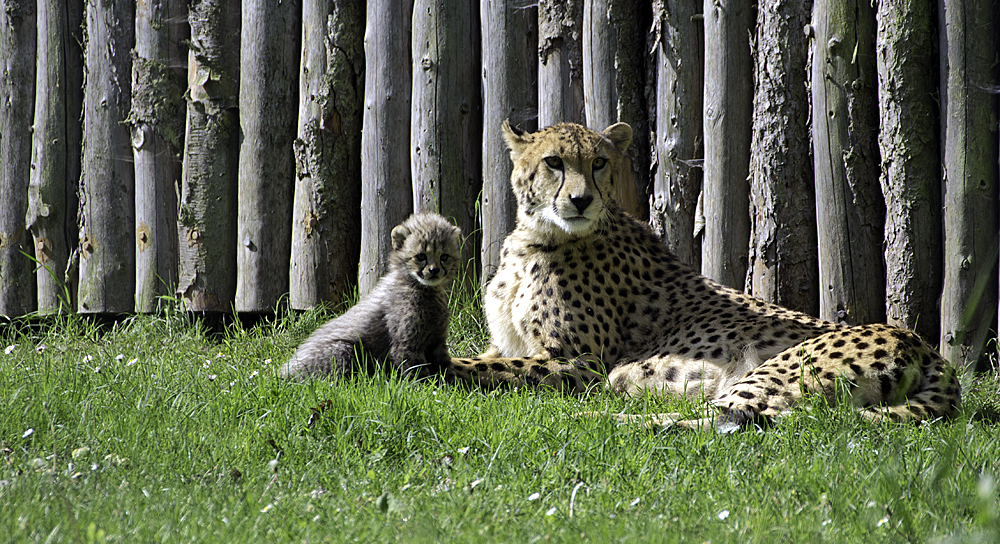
point(403, 320)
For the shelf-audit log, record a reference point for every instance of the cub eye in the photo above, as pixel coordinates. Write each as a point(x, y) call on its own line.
point(421, 257)
point(554, 162)
point(445, 258)
point(599, 163)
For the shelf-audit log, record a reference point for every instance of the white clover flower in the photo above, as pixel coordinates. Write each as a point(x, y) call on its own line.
point(551, 511)
point(724, 514)
point(534, 497)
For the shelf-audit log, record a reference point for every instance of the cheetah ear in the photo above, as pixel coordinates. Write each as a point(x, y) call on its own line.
point(517, 140)
point(620, 135)
point(399, 234)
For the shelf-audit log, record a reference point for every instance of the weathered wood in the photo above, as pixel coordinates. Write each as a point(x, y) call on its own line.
point(561, 62)
point(326, 216)
point(614, 71)
point(911, 172)
point(269, 47)
point(107, 184)
point(783, 261)
point(510, 46)
point(55, 150)
point(678, 40)
point(157, 124)
point(207, 219)
point(850, 210)
point(17, 87)
point(446, 122)
point(969, 113)
point(386, 191)
point(727, 120)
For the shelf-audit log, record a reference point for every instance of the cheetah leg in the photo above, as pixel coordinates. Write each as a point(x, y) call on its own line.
point(575, 376)
point(662, 421)
point(939, 396)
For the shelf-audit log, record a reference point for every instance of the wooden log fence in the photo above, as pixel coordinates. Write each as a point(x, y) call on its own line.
point(848, 171)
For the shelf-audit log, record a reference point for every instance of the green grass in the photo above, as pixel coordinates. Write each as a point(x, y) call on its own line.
point(157, 430)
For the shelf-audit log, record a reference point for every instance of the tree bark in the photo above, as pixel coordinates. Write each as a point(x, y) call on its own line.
point(157, 124)
point(55, 150)
point(17, 87)
point(386, 191)
point(911, 174)
point(614, 43)
point(207, 218)
point(678, 42)
point(326, 217)
point(969, 298)
point(509, 86)
point(269, 45)
point(446, 122)
point(561, 60)
point(727, 123)
point(107, 184)
point(783, 261)
point(849, 205)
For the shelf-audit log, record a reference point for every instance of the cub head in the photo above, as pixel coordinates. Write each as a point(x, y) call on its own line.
point(428, 248)
point(563, 175)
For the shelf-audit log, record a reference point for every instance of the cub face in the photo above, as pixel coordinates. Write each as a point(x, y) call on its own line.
point(428, 248)
point(563, 175)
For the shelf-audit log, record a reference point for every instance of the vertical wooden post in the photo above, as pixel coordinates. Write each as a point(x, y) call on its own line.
point(727, 120)
point(783, 261)
point(614, 84)
point(510, 44)
point(561, 62)
point(911, 171)
point(446, 122)
point(55, 150)
point(849, 204)
point(269, 46)
point(678, 150)
point(386, 191)
point(207, 218)
point(17, 89)
point(157, 123)
point(969, 113)
point(326, 214)
point(107, 185)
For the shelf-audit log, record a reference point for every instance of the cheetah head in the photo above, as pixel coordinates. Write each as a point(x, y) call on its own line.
point(428, 248)
point(563, 175)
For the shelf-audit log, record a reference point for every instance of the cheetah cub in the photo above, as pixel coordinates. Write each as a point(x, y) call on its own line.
point(403, 320)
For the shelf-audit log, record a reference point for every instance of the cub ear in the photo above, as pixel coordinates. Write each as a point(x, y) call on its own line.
point(620, 135)
point(517, 139)
point(399, 234)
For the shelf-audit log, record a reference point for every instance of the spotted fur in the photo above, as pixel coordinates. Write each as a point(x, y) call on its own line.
point(585, 294)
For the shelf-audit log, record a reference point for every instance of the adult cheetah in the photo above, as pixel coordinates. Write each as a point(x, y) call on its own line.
point(585, 293)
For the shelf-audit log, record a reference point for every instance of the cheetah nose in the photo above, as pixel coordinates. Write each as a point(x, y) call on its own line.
point(581, 202)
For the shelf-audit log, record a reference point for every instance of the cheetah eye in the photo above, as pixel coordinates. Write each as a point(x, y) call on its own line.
point(555, 163)
point(445, 258)
point(421, 257)
point(599, 163)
